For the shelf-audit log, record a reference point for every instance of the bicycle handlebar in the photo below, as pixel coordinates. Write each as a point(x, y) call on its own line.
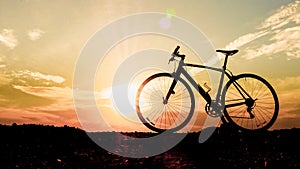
point(176, 50)
point(176, 54)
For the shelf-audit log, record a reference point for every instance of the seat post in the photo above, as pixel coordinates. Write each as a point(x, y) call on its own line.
point(227, 53)
point(225, 62)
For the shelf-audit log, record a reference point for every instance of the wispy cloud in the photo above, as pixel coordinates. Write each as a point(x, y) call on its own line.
point(59, 111)
point(61, 95)
point(8, 38)
point(287, 41)
point(243, 40)
point(40, 76)
point(56, 79)
point(85, 98)
point(281, 31)
point(35, 34)
point(282, 16)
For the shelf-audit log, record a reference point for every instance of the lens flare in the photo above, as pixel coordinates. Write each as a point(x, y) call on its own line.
point(165, 23)
point(170, 13)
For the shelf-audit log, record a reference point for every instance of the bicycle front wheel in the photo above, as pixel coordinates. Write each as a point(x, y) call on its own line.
point(251, 102)
point(158, 115)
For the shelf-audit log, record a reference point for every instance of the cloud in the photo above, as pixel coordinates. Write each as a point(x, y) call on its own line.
point(287, 41)
point(35, 34)
point(61, 95)
point(243, 40)
point(2, 64)
point(4, 79)
point(56, 79)
point(105, 93)
point(59, 111)
point(48, 92)
point(280, 32)
point(8, 38)
point(85, 98)
point(282, 16)
point(40, 76)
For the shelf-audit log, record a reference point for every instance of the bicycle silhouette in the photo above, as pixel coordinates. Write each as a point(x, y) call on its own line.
point(165, 101)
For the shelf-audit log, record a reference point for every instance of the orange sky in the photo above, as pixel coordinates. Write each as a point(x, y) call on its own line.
point(40, 42)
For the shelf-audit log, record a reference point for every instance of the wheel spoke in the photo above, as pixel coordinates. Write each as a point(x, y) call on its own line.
point(264, 108)
point(173, 114)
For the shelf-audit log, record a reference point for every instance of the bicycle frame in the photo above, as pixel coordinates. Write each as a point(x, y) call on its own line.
point(180, 70)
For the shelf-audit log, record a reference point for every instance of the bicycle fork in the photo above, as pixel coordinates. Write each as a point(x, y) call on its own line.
point(171, 89)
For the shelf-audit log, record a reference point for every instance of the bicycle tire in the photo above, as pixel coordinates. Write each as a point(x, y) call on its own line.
point(160, 117)
point(265, 108)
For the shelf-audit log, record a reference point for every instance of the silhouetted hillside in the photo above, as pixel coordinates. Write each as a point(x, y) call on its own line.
point(36, 146)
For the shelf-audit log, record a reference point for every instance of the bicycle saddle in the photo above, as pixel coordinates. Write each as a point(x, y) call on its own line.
point(228, 52)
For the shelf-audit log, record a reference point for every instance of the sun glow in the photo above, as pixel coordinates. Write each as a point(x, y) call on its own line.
point(38, 58)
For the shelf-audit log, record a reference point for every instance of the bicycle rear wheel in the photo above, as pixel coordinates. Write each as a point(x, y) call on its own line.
point(159, 116)
point(251, 102)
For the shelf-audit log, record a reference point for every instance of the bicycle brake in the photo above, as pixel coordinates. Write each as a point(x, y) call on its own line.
point(171, 59)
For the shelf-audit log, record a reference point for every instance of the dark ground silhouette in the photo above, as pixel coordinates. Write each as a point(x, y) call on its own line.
point(37, 146)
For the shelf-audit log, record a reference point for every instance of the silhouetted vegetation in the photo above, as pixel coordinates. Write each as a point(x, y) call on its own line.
point(37, 146)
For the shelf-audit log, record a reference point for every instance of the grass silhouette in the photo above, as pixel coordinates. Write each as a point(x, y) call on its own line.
point(38, 146)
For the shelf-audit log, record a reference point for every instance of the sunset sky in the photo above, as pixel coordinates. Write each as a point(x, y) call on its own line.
point(40, 42)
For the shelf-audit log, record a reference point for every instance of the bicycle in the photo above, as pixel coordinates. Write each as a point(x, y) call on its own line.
point(165, 101)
